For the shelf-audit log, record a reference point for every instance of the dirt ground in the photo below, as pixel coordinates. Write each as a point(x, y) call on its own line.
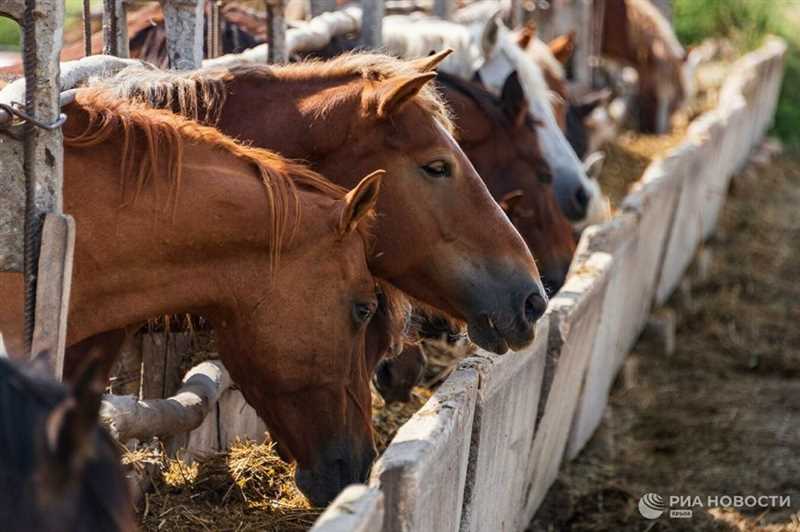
point(721, 415)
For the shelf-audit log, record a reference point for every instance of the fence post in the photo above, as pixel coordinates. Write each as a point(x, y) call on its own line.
point(372, 23)
point(277, 52)
point(213, 35)
point(515, 15)
point(319, 7)
point(183, 20)
point(444, 9)
point(115, 28)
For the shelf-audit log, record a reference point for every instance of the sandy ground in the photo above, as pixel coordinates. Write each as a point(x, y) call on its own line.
point(720, 416)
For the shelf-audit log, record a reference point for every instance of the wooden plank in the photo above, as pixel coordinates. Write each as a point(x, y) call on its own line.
point(115, 28)
point(358, 508)
point(53, 284)
point(319, 7)
point(162, 355)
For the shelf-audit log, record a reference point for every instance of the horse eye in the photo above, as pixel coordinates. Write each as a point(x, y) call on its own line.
point(543, 173)
point(437, 169)
point(363, 312)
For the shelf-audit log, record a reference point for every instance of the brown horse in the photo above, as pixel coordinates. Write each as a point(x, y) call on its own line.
point(175, 217)
point(499, 138)
point(636, 33)
point(439, 237)
point(59, 470)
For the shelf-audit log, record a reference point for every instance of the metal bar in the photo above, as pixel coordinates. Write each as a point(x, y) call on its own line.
point(444, 9)
point(277, 53)
point(183, 20)
point(43, 150)
point(115, 28)
point(87, 28)
point(319, 7)
point(372, 23)
point(515, 14)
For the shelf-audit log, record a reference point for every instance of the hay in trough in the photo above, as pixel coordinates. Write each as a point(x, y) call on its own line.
point(388, 418)
point(247, 488)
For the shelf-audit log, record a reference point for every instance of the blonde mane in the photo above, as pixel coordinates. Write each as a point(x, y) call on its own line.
point(165, 135)
point(201, 94)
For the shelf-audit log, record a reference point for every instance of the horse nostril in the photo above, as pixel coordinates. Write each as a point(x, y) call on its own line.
point(535, 305)
point(582, 198)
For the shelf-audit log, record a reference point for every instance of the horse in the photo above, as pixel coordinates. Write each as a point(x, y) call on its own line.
point(174, 217)
point(439, 235)
point(636, 33)
point(499, 137)
point(59, 470)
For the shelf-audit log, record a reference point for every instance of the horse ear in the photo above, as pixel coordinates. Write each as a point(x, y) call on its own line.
point(526, 34)
point(392, 94)
point(490, 34)
point(70, 426)
point(513, 100)
point(431, 62)
point(562, 47)
point(510, 201)
point(360, 201)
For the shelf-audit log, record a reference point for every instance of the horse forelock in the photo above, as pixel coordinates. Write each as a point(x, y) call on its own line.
point(165, 135)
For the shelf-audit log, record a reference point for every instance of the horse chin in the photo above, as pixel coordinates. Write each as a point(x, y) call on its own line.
point(484, 333)
point(338, 467)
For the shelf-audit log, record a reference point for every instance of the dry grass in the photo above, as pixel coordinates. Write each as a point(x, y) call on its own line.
point(721, 415)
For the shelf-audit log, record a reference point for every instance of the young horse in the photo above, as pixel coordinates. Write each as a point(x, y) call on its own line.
point(59, 471)
point(175, 217)
point(439, 237)
point(635, 32)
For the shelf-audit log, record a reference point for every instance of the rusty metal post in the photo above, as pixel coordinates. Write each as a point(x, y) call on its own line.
point(277, 52)
point(183, 20)
point(319, 7)
point(87, 28)
point(372, 23)
point(115, 28)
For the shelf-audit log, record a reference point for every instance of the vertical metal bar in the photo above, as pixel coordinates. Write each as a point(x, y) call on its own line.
point(87, 27)
point(444, 9)
point(277, 52)
point(115, 28)
point(372, 23)
point(515, 14)
point(43, 149)
point(183, 20)
point(319, 7)
point(213, 33)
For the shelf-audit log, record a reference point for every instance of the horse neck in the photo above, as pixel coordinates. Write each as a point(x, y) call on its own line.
point(298, 123)
point(145, 260)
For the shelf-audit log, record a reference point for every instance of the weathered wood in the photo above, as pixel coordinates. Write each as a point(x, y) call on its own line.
point(54, 279)
point(115, 29)
point(372, 23)
point(277, 53)
point(161, 358)
point(12, 9)
point(358, 508)
point(128, 417)
point(213, 34)
point(183, 20)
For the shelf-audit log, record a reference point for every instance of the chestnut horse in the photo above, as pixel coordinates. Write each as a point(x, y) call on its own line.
point(59, 470)
point(175, 217)
point(636, 33)
point(439, 236)
point(499, 137)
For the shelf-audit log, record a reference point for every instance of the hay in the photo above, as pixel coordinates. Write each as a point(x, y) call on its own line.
point(248, 488)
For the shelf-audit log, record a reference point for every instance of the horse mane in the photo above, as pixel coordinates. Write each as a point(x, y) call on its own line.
point(165, 135)
point(201, 94)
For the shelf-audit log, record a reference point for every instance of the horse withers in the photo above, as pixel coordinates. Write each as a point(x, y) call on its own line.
point(59, 470)
point(174, 217)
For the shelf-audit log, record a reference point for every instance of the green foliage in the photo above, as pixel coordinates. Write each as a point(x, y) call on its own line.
point(746, 23)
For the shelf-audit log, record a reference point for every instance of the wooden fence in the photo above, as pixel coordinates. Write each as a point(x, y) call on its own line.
point(482, 453)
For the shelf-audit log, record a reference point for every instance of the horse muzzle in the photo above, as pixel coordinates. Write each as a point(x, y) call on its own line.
point(337, 466)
